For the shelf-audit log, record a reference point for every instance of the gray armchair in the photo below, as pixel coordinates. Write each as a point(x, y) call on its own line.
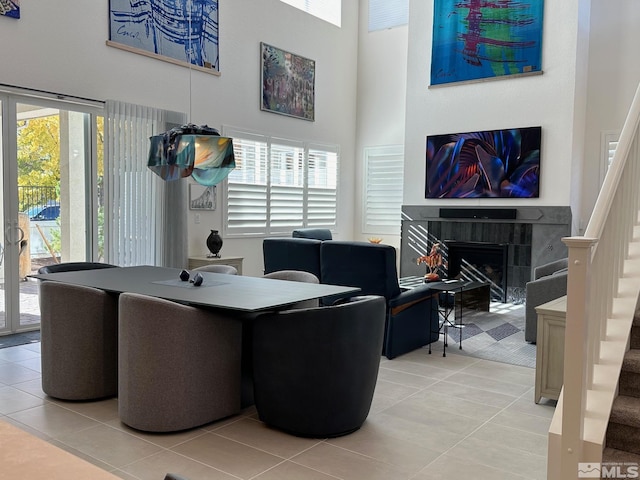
point(549, 282)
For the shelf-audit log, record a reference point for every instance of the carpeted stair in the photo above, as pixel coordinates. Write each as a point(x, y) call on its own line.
point(623, 432)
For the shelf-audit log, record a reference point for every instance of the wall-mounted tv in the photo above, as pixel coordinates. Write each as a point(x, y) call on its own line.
point(485, 164)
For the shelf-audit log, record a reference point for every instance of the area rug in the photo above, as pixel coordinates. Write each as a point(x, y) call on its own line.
point(19, 339)
point(496, 335)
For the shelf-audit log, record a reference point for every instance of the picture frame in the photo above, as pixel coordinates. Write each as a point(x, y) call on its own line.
point(484, 164)
point(476, 40)
point(10, 8)
point(202, 197)
point(159, 29)
point(287, 83)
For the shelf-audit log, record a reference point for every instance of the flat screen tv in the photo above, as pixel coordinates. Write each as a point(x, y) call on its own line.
point(485, 164)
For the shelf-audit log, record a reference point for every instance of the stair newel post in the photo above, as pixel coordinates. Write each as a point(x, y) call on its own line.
point(578, 359)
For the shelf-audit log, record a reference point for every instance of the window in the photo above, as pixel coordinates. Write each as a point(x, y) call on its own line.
point(328, 10)
point(279, 185)
point(383, 189)
point(387, 14)
point(609, 142)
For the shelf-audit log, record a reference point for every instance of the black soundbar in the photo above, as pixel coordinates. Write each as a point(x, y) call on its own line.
point(481, 213)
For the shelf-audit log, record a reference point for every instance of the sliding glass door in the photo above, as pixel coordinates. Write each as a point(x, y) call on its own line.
point(51, 182)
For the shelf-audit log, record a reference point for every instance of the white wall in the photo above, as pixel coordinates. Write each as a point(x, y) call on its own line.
point(382, 79)
point(614, 74)
point(548, 100)
point(60, 47)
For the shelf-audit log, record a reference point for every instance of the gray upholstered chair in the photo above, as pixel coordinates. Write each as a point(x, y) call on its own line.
point(79, 341)
point(179, 366)
point(73, 266)
point(315, 370)
point(226, 269)
point(296, 276)
point(549, 282)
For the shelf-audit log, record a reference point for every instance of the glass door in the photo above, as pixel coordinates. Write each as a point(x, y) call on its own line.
point(50, 208)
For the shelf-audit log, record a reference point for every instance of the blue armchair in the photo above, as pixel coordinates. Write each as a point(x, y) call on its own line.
point(411, 317)
point(291, 254)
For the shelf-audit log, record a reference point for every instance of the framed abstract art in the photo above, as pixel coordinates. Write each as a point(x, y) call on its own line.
point(160, 29)
point(476, 39)
point(288, 83)
point(10, 8)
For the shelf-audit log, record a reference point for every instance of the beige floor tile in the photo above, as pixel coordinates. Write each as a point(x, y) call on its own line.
point(421, 413)
point(10, 373)
point(450, 467)
point(492, 385)
point(381, 403)
point(447, 403)
point(500, 457)
point(347, 465)
point(416, 368)
point(256, 434)
point(473, 394)
point(79, 454)
point(371, 440)
point(158, 465)
point(53, 420)
point(13, 400)
point(395, 391)
point(123, 475)
point(512, 438)
point(526, 404)
point(506, 373)
point(452, 361)
point(227, 455)
point(292, 471)
point(34, 387)
point(164, 440)
point(99, 410)
point(403, 378)
point(111, 446)
point(523, 421)
point(31, 363)
point(15, 354)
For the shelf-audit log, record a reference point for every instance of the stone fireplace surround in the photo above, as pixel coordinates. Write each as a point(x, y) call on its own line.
point(534, 236)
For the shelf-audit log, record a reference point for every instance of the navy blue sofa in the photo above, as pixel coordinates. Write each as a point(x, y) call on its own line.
point(412, 315)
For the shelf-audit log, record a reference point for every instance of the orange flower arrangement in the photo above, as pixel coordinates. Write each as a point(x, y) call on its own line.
point(433, 261)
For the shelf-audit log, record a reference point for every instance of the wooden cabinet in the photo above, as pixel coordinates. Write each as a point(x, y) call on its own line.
point(201, 261)
point(550, 348)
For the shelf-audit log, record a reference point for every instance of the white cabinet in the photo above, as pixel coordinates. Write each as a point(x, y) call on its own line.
point(550, 348)
point(201, 261)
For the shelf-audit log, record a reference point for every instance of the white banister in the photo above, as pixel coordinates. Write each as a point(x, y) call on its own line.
point(603, 286)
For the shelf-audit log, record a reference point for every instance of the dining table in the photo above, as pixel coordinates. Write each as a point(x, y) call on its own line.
point(230, 292)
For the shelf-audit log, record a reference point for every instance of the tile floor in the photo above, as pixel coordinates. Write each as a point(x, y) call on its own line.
point(432, 418)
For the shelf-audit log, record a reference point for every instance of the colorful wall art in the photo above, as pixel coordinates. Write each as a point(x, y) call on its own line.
point(10, 8)
point(493, 163)
point(288, 83)
point(161, 27)
point(479, 39)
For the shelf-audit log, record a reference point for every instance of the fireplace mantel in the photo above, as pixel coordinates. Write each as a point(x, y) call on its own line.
point(534, 234)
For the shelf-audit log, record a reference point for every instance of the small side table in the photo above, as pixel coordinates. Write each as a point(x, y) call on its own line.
point(552, 317)
point(201, 261)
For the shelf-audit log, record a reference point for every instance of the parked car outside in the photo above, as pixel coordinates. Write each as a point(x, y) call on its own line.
point(44, 212)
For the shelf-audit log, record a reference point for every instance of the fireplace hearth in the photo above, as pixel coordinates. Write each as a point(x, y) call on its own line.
point(480, 262)
point(532, 238)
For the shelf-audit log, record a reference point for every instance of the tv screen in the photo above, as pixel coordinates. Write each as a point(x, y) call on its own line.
point(492, 163)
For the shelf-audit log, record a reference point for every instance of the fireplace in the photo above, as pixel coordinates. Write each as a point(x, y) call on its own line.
point(480, 262)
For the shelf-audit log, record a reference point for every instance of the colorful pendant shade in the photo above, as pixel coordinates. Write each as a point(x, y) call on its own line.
point(193, 150)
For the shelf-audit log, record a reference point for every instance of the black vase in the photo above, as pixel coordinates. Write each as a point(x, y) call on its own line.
point(214, 243)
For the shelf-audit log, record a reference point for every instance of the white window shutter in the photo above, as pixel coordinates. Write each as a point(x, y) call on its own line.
point(383, 189)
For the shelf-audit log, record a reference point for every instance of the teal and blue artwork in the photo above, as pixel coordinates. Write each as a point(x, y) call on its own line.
point(479, 39)
point(184, 30)
point(10, 8)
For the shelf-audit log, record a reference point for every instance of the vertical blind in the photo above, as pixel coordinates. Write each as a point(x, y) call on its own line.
point(143, 218)
point(279, 185)
point(383, 189)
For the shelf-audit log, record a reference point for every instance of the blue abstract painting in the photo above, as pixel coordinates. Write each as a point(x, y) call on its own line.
point(185, 30)
point(10, 8)
point(478, 39)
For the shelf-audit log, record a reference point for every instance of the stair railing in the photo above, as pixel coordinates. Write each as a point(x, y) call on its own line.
point(602, 291)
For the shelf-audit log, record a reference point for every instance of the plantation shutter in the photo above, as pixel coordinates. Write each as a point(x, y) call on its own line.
point(383, 189)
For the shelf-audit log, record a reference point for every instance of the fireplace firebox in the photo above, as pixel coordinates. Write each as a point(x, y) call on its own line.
point(480, 262)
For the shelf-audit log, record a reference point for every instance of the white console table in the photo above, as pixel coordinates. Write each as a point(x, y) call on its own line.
point(550, 348)
point(201, 261)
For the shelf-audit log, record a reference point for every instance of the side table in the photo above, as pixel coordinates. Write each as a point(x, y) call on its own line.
point(200, 261)
point(552, 317)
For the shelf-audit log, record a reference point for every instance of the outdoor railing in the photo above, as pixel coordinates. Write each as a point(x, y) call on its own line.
point(602, 292)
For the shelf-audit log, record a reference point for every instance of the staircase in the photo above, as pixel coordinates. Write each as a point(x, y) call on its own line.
point(623, 432)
